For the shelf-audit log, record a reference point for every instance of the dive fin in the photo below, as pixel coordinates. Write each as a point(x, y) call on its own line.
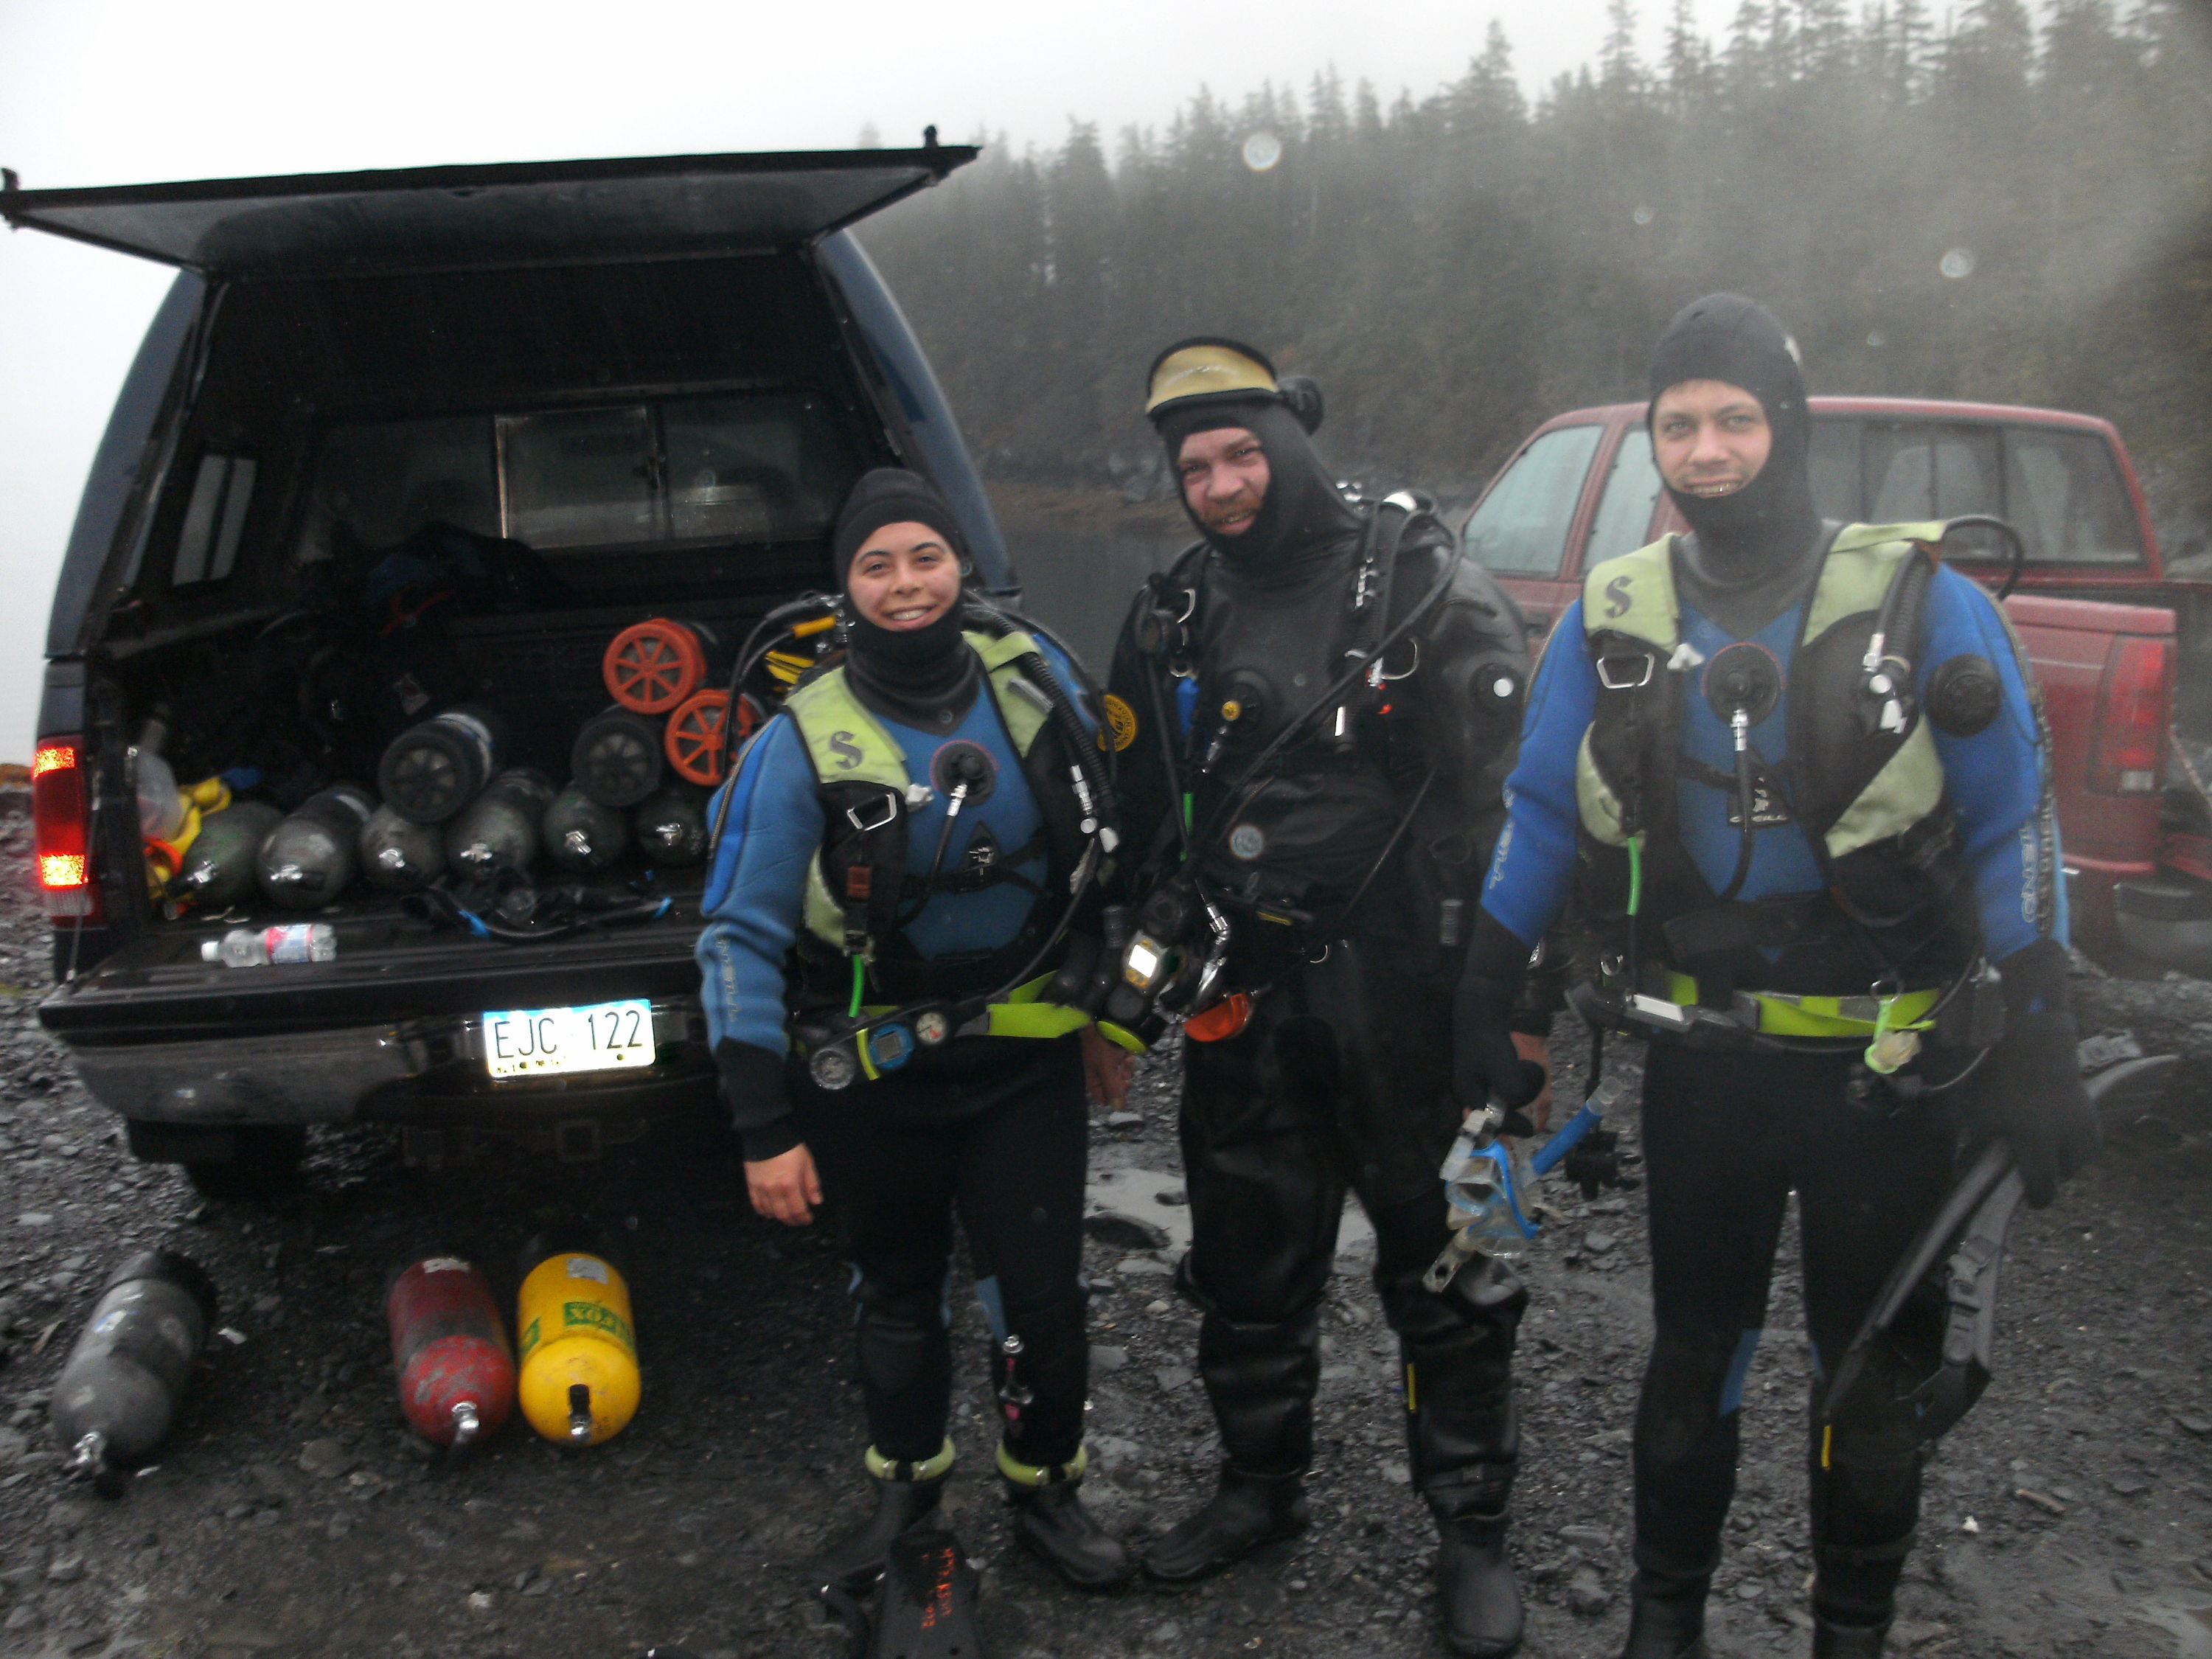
point(926, 1607)
point(1967, 1235)
point(1956, 1257)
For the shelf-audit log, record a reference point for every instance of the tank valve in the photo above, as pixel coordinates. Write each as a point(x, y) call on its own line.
point(88, 1457)
point(467, 1425)
point(579, 1413)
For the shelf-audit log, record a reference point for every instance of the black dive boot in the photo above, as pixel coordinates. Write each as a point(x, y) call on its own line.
point(907, 1496)
point(1482, 1603)
point(1832, 1641)
point(1260, 1380)
point(1463, 1441)
point(1050, 1519)
point(1248, 1511)
point(1666, 1617)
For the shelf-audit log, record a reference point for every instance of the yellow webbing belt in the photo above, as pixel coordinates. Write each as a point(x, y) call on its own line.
point(1783, 1015)
point(1022, 1015)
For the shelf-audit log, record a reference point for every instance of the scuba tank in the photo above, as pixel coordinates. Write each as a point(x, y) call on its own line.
point(431, 771)
point(617, 757)
point(499, 830)
point(580, 1381)
point(399, 854)
point(116, 1397)
point(581, 834)
point(456, 1371)
point(218, 867)
point(308, 859)
point(671, 827)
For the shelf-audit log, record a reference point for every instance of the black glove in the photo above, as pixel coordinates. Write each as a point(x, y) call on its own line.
point(753, 1090)
point(2029, 1092)
point(1484, 1059)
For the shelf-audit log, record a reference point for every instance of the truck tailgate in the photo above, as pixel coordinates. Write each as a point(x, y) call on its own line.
point(388, 967)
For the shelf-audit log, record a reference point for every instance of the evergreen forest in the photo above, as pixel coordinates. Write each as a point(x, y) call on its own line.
point(2002, 201)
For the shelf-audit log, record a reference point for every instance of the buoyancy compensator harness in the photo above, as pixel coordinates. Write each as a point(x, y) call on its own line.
point(1863, 781)
point(1046, 982)
point(1176, 951)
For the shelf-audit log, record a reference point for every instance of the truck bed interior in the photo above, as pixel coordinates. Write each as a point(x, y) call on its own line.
point(396, 492)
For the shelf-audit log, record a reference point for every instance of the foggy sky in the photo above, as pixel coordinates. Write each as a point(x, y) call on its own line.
point(102, 92)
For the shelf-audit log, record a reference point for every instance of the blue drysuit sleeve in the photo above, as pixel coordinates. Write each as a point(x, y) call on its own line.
point(1998, 780)
point(1534, 865)
point(757, 890)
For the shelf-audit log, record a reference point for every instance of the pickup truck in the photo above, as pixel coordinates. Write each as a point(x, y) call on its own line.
point(2110, 631)
point(645, 385)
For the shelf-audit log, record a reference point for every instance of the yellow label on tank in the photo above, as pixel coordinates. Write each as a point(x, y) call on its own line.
point(575, 1314)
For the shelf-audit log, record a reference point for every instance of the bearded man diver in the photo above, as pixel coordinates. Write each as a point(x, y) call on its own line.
point(1321, 699)
point(1796, 776)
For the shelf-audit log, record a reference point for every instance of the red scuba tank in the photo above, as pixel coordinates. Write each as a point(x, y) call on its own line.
point(448, 1346)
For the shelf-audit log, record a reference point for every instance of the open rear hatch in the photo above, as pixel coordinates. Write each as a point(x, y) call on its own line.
point(487, 217)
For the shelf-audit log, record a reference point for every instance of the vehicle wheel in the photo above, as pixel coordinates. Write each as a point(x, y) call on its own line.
point(264, 1163)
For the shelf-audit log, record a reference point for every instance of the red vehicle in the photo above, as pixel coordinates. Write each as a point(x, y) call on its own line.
point(2094, 606)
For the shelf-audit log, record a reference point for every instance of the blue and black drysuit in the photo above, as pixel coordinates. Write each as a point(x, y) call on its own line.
point(1728, 1135)
point(996, 1125)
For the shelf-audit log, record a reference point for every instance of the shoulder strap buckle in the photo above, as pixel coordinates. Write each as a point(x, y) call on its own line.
point(889, 803)
point(1626, 671)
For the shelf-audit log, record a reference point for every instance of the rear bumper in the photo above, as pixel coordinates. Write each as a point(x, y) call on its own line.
point(428, 1071)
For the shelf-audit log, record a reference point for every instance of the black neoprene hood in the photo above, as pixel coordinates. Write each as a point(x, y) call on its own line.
point(1728, 338)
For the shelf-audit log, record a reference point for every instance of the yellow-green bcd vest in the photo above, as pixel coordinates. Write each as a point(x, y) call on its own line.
point(1634, 595)
point(836, 726)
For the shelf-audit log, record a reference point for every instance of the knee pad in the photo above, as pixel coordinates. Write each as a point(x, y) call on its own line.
point(1693, 1382)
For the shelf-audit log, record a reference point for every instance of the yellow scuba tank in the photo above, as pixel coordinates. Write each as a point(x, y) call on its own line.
point(579, 1382)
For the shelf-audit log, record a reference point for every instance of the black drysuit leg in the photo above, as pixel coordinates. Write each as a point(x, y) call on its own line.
point(1273, 1141)
point(1004, 1139)
point(1726, 1139)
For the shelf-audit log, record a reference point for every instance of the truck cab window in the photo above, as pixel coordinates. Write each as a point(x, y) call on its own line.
point(2062, 492)
point(578, 477)
point(377, 483)
point(1520, 526)
point(1632, 492)
point(1918, 470)
point(755, 466)
point(1834, 465)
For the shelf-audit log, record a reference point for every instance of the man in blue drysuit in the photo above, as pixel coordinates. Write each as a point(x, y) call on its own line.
point(1796, 776)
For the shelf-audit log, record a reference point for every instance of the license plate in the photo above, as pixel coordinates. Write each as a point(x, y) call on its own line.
point(605, 1037)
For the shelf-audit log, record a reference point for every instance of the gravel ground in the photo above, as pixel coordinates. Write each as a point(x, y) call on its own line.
point(292, 1515)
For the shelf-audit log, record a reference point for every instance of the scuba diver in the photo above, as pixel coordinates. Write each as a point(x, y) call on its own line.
point(906, 834)
point(1797, 778)
point(1315, 708)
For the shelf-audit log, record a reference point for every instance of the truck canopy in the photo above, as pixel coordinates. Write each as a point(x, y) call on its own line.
point(486, 216)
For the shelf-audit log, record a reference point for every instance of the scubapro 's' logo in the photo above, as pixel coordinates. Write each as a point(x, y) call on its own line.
point(849, 752)
point(1616, 598)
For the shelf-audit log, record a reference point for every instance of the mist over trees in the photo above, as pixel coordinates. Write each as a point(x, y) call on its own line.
point(2012, 204)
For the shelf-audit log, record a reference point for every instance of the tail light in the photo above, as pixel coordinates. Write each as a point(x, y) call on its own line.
point(2128, 752)
point(61, 810)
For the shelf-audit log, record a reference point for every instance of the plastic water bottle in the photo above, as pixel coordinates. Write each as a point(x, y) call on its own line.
point(161, 804)
point(258, 947)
